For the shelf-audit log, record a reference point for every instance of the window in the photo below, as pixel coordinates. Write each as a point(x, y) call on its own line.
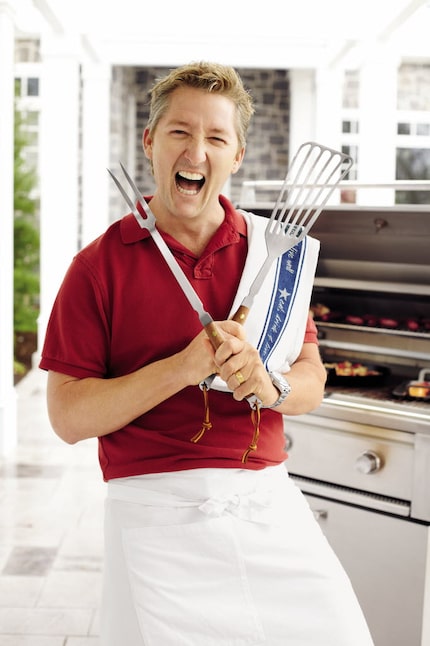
point(33, 87)
point(413, 128)
point(350, 127)
point(403, 128)
point(27, 86)
point(423, 129)
point(352, 151)
point(413, 164)
point(32, 117)
point(32, 138)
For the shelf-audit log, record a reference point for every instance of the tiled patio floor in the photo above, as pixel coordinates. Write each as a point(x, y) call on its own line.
point(51, 501)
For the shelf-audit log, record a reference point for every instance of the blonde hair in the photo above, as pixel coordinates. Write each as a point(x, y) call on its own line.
point(210, 77)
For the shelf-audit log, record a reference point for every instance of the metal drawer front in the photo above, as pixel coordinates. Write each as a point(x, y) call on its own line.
point(342, 456)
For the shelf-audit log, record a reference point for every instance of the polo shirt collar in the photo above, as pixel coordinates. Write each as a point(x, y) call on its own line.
point(230, 231)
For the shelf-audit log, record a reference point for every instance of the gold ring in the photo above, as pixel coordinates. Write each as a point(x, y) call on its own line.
point(239, 376)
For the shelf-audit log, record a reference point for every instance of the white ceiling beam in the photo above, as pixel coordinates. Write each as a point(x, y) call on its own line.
point(286, 37)
point(353, 53)
point(50, 16)
point(398, 21)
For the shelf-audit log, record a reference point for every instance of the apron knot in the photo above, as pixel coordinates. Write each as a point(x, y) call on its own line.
point(256, 507)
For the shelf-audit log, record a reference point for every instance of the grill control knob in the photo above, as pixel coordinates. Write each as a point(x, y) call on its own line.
point(368, 462)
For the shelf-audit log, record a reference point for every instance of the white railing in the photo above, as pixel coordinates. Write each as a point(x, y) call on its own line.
point(251, 192)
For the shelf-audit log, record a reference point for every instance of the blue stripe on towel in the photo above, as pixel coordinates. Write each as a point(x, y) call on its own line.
point(288, 270)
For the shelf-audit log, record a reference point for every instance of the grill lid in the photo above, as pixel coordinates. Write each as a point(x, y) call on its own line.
point(376, 245)
point(386, 247)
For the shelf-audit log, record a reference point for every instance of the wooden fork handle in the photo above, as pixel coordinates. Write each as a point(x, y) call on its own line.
point(214, 334)
point(241, 314)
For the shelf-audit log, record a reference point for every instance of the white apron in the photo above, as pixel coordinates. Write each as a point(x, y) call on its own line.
point(221, 557)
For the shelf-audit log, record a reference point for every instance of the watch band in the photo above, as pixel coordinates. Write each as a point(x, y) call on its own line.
point(281, 384)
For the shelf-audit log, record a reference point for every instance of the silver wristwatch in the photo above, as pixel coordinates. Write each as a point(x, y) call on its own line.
point(280, 384)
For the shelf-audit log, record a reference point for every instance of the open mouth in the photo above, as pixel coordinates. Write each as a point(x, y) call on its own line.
point(189, 183)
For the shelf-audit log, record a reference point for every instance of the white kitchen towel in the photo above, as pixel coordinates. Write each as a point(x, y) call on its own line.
point(276, 322)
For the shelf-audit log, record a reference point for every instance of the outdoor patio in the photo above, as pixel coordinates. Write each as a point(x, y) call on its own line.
point(51, 497)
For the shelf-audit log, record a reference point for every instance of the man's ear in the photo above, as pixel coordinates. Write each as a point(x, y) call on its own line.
point(147, 143)
point(238, 161)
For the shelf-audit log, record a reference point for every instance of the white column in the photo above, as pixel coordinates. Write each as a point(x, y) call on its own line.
point(328, 126)
point(316, 106)
point(377, 127)
point(328, 109)
point(95, 150)
point(59, 165)
point(302, 107)
point(8, 436)
point(316, 109)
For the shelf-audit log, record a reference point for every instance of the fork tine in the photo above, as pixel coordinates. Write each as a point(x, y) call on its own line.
point(138, 194)
point(130, 181)
point(130, 202)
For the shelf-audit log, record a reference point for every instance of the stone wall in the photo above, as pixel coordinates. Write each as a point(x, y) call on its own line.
point(267, 149)
point(122, 86)
point(414, 87)
point(267, 154)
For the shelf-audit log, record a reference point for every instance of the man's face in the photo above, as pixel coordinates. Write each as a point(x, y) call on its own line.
point(194, 150)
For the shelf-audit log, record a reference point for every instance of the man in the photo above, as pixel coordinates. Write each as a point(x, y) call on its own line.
point(207, 540)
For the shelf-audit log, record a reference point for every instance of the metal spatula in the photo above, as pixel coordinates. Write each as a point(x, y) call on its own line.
point(314, 173)
point(312, 176)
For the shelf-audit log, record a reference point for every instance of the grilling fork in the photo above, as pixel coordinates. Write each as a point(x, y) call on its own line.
point(149, 223)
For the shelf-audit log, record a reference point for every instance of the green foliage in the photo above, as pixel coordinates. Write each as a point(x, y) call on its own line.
point(26, 276)
point(26, 238)
point(24, 179)
point(19, 369)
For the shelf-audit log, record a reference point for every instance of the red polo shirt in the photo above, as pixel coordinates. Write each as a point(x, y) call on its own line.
point(119, 308)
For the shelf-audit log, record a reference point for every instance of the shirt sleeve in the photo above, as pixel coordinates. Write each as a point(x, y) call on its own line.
point(77, 336)
point(311, 333)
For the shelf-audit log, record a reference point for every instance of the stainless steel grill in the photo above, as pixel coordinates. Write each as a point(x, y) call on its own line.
point(363, 457)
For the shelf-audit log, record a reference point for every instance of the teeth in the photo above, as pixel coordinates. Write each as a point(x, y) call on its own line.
point(185, 192)
point(196, 177)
